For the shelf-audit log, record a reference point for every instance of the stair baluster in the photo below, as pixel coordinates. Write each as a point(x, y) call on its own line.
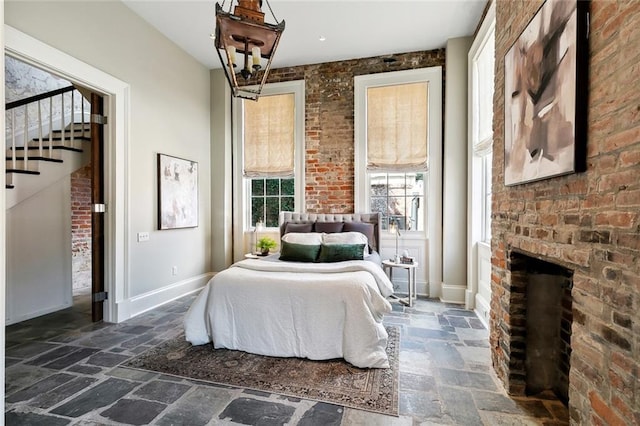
point(82, 105)
point(26, 137)
point(51, 127)
point(13, 139)
point(40, 150)
point(62, 129)
point(73, 121)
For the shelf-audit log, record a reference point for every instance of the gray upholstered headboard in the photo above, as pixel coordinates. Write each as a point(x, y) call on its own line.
point(373, 218)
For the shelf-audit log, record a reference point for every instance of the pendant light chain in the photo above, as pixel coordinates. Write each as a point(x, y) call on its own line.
point(271, 10)
point(230, 5)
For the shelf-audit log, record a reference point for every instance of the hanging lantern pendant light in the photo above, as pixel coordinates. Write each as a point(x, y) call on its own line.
point(245, 33)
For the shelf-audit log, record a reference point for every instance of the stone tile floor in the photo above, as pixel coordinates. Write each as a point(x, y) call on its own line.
point(63, 370)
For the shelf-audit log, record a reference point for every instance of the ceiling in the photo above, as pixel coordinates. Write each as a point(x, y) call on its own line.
point(351, 28)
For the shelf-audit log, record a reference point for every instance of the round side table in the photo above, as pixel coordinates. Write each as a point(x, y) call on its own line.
point(390, 265)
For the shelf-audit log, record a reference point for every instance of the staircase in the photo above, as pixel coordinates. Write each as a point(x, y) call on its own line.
point(48, 138)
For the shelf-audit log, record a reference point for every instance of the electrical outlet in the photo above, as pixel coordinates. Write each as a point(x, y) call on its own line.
point(143, 236)
point(174, 270)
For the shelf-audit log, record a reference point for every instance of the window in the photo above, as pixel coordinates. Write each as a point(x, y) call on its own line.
point(269, 157)
point(270, 154)
point(397, 142)
point(397, 114)
point(482, 64)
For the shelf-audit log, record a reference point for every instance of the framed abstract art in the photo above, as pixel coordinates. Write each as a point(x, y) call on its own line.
point(546, 94)
point(177, 192)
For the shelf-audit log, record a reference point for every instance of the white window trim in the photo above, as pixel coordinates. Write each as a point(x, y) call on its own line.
point(477, 149)
point(433, 196)
point(242, 190)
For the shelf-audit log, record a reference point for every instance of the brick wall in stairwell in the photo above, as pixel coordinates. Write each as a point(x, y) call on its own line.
point(81, 227)
point(588, 222)
point(329, 121)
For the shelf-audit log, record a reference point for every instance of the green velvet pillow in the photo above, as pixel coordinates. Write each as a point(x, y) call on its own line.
point(340, 252)
point(298, 252)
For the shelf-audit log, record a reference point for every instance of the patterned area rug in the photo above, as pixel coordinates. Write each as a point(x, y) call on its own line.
point(332, 381)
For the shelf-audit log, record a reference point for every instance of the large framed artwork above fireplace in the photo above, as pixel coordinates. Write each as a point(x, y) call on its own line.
point(545, 79)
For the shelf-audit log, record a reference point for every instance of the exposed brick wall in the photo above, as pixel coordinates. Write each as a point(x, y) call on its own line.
point(588, 222)
point(329, 122)
point(81, 227)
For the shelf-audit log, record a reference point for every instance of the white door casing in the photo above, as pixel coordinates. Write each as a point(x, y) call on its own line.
point(116, 92)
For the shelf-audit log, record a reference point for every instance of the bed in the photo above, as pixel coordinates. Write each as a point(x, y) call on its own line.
point(306, 309)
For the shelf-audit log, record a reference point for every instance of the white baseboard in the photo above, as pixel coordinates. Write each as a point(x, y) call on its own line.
point(31, 315)
point(469, 299)
point(453, 293)
point(422, 288)
point(402, 287)
point(137, 305)
point(483, 310)
point(434, 289)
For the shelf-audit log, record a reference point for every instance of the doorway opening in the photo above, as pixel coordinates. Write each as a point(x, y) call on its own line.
point(50, 220)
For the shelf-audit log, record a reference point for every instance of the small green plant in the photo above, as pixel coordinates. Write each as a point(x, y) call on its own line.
point(265, 244)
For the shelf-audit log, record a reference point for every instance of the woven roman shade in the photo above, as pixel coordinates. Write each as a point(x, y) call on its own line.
point(269, 136)
point(397, 128)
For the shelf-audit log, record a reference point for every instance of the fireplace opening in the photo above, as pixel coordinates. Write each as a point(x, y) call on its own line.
point(545, 304)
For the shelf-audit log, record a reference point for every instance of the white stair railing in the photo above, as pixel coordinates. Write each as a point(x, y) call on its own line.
point(35, 127)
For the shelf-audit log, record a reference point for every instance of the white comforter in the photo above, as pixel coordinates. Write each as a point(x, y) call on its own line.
point(288, 309)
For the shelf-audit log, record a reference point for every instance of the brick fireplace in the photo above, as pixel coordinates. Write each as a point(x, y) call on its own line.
point(586, 225)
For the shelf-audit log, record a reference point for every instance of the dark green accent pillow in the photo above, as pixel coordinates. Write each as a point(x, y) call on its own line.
point(340, 252)
point(298, 252)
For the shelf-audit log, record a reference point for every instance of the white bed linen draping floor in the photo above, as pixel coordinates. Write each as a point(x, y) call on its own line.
point(288, 309)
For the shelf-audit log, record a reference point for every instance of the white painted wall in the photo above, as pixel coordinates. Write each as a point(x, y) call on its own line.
point(454, 197)
point(39, 256)
point(169, 113)
point(221, 176)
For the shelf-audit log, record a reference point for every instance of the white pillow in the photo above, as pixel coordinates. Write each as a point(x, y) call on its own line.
point(305, 238)
point(347, 238)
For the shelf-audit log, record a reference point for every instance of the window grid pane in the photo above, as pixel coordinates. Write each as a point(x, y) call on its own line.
point(288, 187)
point(268, 198)
point(399, 197)
point(257, 187)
